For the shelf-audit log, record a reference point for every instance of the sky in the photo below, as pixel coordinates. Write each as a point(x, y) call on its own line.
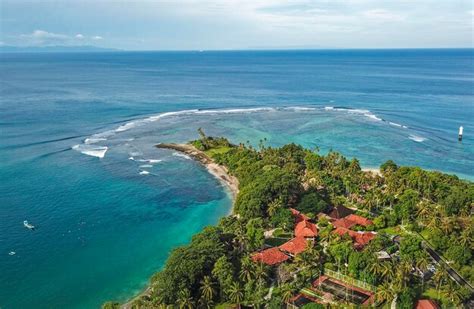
point(243, 24)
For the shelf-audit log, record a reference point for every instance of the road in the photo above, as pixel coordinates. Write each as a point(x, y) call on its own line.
point(452, 273)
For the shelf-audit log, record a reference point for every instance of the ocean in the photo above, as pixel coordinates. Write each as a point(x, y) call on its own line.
point(77, 159)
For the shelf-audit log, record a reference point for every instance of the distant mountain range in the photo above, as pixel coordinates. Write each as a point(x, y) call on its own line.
point(54, 49)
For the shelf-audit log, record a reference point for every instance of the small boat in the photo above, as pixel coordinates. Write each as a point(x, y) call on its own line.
point(11, 253)
point(28, 225)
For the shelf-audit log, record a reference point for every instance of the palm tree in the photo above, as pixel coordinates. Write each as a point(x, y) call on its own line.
point(287, 292)
point(260, 273)
point(439, 277)
point(465, 239)
point(376, 266)
point(185, 300)
point(207, 289)
point(273, 206)
point(385, 292)
point(246, 269)
point(241, 237)
point(422, 264)
point(451, 292)
point(424, 209)
point(235, 293)
point(447, 224)
point(387, 271)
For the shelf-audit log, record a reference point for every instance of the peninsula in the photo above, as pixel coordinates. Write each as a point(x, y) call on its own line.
point(316, 231)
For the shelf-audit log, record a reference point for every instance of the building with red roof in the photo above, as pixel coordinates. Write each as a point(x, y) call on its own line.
point(352, 220)
point(359, 239)
point(426, 304)
point(306, 229)
point(272, 256)
point(359, 220)
point(295, 245)
point(298, 215)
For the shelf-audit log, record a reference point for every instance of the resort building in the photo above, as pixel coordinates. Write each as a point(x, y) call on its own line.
point(426, 304)
point(352, 220)
point(295, 246)
point(271, 256)
point(299, 216)
point(360, 239)
point(306, 229)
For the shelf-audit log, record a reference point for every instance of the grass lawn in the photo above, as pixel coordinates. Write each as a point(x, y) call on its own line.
point(395, 230)
point(431, 293)
point(279, 232)
point(214, 151)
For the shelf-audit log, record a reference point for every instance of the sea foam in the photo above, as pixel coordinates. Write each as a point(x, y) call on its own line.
point(98, 152)
point(416, 138)
point(181, 155)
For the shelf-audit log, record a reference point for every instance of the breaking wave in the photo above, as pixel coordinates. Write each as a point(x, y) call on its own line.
point(416, 138)
point(98, 152)
point(88, 147)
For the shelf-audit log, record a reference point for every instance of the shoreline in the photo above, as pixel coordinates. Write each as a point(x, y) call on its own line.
point(218, 171)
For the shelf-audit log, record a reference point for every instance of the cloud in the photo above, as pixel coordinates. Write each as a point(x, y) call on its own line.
point(45, 38)
point(382, 15)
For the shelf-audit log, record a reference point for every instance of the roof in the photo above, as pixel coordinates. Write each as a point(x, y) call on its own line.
point(344, 223)
point(426, 304)
point(270, 256)
point(306, 229)
point(295, 245)
point(298, 215)
point(359, 220)
point(360, 239)
point(351, 220)
point(339, 212)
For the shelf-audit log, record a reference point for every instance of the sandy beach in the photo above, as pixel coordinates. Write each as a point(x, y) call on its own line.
point(219, 171)
point(372, 170)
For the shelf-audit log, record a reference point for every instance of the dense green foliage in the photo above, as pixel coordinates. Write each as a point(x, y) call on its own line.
point(423, 207)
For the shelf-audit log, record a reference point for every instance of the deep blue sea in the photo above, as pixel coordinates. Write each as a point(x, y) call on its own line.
point(77, 157)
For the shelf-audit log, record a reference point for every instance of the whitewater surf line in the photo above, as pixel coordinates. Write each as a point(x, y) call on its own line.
point(88, 148)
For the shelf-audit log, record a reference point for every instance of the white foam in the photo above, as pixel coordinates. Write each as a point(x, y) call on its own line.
point(363, 112)
point(154, 161)
point(131, 158)
point(300, 108)
point(98, 152)
point(93, 140)
point(146, 166)
point(181, 155)
point(144, 172)
point(416, 138)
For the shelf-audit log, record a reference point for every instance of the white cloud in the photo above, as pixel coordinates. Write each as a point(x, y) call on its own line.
point(45, 38)
point(383, 15)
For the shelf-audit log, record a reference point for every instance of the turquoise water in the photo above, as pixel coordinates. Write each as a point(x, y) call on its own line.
point(104, 225)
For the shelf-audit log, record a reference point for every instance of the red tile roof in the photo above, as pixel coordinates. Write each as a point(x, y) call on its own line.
point(298, 215)
point(295, 245)
point(359, 220)
point(270, 256)
point(306, 229)
point(360, 239)
point(426, 304)
point(344, 223)
point(352, 220)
